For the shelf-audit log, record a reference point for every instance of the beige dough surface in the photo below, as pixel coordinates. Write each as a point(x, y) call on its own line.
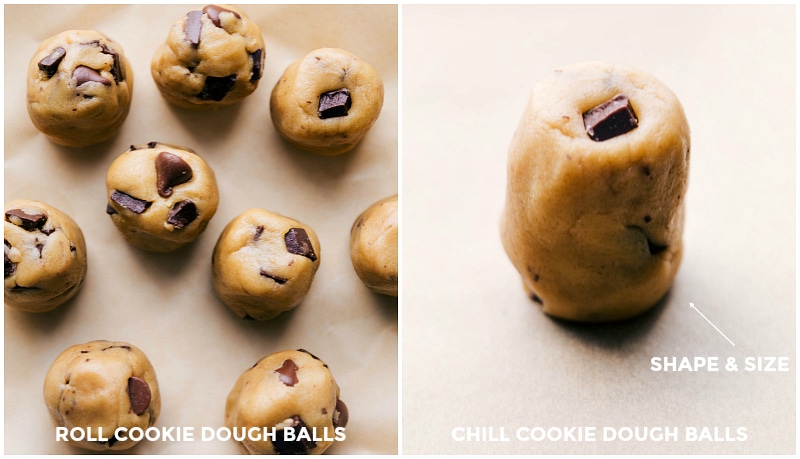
point(373, 246)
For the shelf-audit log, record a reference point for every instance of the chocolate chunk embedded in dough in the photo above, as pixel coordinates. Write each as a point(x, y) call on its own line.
point(26, 221)
point(258, 62)
point(192, 27)
point(288, 373)
point(182, 214)
point(127, 201)
point(171, 170)
point(139, 393)
point(213, 12)
point(334, 104)
point(49, 65)
point(85, 75)
point(9, 266)
point(116, 68)
point(216, 88)
point(298, 243)
point(340, 415)
point(277, 279)
point(610, 119)
point(296, 446)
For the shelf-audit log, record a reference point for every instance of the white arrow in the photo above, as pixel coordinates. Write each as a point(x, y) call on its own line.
point(691, 305)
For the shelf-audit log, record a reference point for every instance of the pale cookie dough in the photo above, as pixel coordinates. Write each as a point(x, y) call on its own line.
point(212, 57)
point(373, 246)
point(287, 389)
point(264, 264)
point(327, 101)
point(160, 196)
point(594, 227)
point(102, 385)
point(45, 256)
point(79, 88)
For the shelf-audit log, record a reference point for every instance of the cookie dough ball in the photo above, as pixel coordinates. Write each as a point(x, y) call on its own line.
point(160, 196)
point(79, 88)
point(289, 389)
point(597, 177)
point(264, 264)
point(102, 385)
point(327, 101)
point(212, 57)
point(373, 246)
point(45, 256)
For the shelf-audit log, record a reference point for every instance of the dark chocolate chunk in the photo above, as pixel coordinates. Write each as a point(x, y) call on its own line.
point(340, 415)
point(48, 231)
point(171, 170)
point(49, 65)
point(39, 246)
point(192, 27)
point(10, 266)
point(110, 210)
point(655, 248)
point(182, 214)
point(288, 373)
point(152, 144)
point(85, 75)
point(295, 446)
point(216, 88)
point(26, 221)
point(116, 68)
point(298, 243)
point(258, 64)
point(139, 393)
point(647, 219)
point(127, 201)
point(333, 104)
point(259, 231)
point(277, 279)
point(213, 13)
point(610, 119)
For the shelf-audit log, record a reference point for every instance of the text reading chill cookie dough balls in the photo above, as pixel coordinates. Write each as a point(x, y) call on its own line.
point(373, 246)
point(212, 57)
point(79, 88)
point(160, 196)
point(45, 256)
point(327, 101)
point(597, 178)
point(102, 386)
point(287, 389)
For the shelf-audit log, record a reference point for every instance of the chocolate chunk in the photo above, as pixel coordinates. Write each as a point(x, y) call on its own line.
point(333, 104)
point(294, 446)
point(26, 221)
point(655, 248)
point(298, 243)
point(610, 119)
point(216, 88)
point(259, 231)
point(110, 210)
point(151, 144)
point(288, 373)
point(85, 75)
point(10, 266)
point(139, 393)
point(192, 27)
point(340, 415)
point(116, 68)
point(127, 201)
point(49, 65)
point(39, 246)
point(213, 12)
point(258, 63)
point(182, 214)
point(171, 171)
point(277, 279)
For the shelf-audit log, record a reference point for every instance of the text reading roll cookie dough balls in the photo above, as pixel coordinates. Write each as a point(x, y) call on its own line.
point(45, 256)
point(212, 57)
point(327, 101)
point(597, 179)
point(102, 386)
point(288, 389)
point(79, 88)
point(264, 263)
point(160, 196)
point(373, 246)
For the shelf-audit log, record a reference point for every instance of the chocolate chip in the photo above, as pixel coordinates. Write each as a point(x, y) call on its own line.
point(127, 201)
point(151, 144)
point(85, 75)
point(216, 88)
point(258, 63)
point(259, 231)
point(288, 372)
point(139, 393)
point(298, 243)
point(192, 27)
point(213, 12)
point(49, 65)
point(647, 219)
point(277, 279)
point(26, 221)
point(610, 119)
point(10, 266)
point(313, 356)
point(110, 210)
point(655, 248)
point(171, 170)
point(340, 415)
point(182, 214)
point(294, 446)
point(39, 246)
point(333, 104)
point(116, 68)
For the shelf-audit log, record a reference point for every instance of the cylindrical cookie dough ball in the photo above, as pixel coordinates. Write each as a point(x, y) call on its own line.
point(102, 386)
point(160, 196)
point(373, 246)
point(597, 178)
point(289, 389)
point(264, 264)
point(45, 256)
point(327, 101)
point(79, 88)
point(212, 57)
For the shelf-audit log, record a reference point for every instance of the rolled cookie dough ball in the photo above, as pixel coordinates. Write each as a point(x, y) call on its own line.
point(79, 88)
point(597, 176)
point(45, 256)
point(212, 57)
point(264, 264)
point(327, 101)
point(373, 246)
point(102, 385)
point(287, 389)
point(160, 196)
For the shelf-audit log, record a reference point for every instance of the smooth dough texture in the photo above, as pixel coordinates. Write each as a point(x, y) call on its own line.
point(373, 246)
point(595, 227)
point(288, 389)
point(160, 196)
point(296, 109)
point(212, 57)
point(80, 86)
point(102, 385)
point(45, 256)
point(264, 263)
